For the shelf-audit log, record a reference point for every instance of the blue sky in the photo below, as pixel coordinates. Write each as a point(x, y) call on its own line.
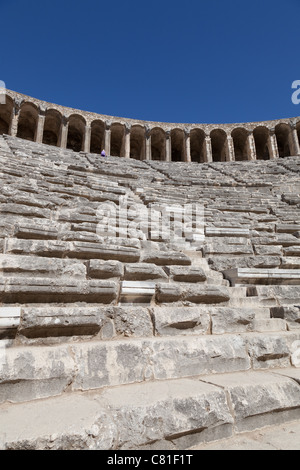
point(189, 61)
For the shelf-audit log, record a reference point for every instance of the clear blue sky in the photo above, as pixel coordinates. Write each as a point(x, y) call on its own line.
point(190, 61)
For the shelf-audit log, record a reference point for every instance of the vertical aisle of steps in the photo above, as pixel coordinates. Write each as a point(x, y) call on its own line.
point(116, 342)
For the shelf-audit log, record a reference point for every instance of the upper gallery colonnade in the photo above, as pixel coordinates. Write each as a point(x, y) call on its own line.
point(41, 122)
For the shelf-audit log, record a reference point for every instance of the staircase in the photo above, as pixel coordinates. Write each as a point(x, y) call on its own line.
point(117, 336)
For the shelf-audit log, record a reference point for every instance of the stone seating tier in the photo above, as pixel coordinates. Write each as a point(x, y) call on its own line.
point(132, 339)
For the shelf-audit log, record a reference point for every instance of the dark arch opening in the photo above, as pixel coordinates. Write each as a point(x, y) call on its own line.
point(239, 137)
point(76, 133)
point(158, 144)
point(52, 127)
point(261, 139)
point(27, 124)
point(218, 145)
point(117, 140)
point(137, 139)
point(177, 145)
point(97, 136)
point(6, 114)
point(282, 132)
point(197, 141)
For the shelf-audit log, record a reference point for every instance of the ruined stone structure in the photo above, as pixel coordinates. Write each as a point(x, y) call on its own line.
point(117, 335)
point(67, 128)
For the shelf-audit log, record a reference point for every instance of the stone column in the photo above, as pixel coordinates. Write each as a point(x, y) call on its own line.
point(293, 140)
point(63, 137)
point(251, 149)
point(127, 141)
point(229, 150)
point(107, 137)
point(87, 138)
point(40, 126)
point(207, 149)
point(148, 143)
point(168, 146)
point(187, 147)
point(13, 129)
point(272, 145)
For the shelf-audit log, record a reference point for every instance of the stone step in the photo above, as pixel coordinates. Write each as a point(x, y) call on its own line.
point(35, 372)
point(227, 232)
point(42, 290)
point(173, 414)
point(262, 276)
point(79, 250)
point(112, 322)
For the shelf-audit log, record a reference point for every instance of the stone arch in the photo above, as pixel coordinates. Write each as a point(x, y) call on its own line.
point(239, 136)
point(97, 136)
point(117, 140)
point(218, 145)
point(52, 126)
point(177, 145)
point(197, 142)
point(6, 114)
point(137, 142)
point(261, 138)
point(27, 124)
point(282, 132)
point(158, 144)
point(76, 133)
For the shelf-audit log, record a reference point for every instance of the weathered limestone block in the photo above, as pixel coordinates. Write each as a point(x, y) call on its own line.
point(98, 269)
point(37, 232)
point(231, 320)
point(171, 321)
point(102, 364)
point(287, 228)
point(192, 293)
point(292, 251)
point(227, 232)
point(190, 274)
point(32, 373)
point(282, 295)
point(143, 271)
point(262, 276)
point(104, 251)
point(217, 249)
point(196, 355)
point(257, 399)
point(37, 247)
point(290, 313)
point(166, 411)
point(80, 250)
point(28, 211)
point(164, 258)
point(285, 239)
point(43, 290)
point(61, 321)
point(41, 267)
point(6, 229)
point(268, 250)
point(290, 263)
point(268, 350)
point(131, 321)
